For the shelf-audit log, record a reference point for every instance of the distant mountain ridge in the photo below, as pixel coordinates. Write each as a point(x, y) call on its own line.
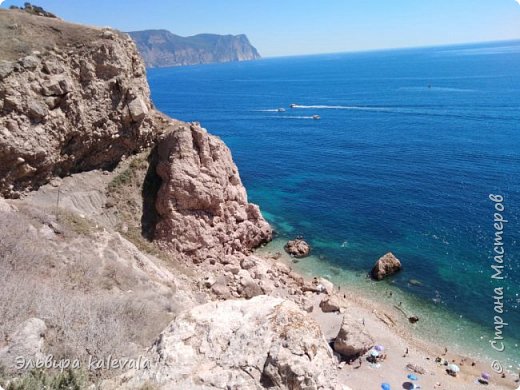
point(161, 48)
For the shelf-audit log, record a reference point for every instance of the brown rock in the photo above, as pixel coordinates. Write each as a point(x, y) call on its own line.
point(297, 248)
point(202, 205)
point(330, 304)
point(352, 340)
point(385, 266)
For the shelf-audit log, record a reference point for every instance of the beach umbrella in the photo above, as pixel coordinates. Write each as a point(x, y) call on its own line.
point(385, 386)
point(412, 377)
point(453, 368)
point(379, 348)
point(374, 353)
point(486, 376)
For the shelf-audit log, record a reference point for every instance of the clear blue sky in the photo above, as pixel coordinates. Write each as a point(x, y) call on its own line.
point(290, 27)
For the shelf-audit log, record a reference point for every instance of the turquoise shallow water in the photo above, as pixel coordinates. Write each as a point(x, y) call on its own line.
point(409, 146)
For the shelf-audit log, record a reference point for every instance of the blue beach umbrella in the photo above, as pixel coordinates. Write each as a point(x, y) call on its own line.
point(385, 386)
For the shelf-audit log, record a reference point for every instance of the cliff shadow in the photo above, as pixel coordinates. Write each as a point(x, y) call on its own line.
point(151, 184)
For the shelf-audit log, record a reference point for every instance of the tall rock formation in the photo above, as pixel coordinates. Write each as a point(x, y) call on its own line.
point(202, 204)
point(161, 48)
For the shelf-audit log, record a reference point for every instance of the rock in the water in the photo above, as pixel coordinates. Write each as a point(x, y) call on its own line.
point(297, 248)
point(26, 342)
point(325, 285)
point(237, 344)
point(202, 204)
point(330, 304)
point(352, 340)
point(385, 266)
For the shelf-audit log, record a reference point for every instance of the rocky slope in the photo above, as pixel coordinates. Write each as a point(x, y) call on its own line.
point(161, 48)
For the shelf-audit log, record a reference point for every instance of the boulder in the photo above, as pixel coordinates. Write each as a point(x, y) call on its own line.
point(248, 262)
point(138, 109)
point(250, 287)
point(330, 304)
point(297, 248)
point(264, 342)
point(352, 339)
point(283, 268)
point(325, 285)
point(385, 266)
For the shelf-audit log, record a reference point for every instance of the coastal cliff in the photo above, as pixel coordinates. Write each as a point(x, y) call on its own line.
point(73, 99)
point(127, 236)
point(161, 48)
point(116, 220)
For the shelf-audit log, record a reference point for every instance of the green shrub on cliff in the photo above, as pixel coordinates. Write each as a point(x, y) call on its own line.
point(40, 379)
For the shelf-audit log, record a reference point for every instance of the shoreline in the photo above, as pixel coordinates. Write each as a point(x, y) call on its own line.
point(392, 328)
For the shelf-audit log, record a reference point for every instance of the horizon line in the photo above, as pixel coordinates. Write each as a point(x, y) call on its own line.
point(427, 46)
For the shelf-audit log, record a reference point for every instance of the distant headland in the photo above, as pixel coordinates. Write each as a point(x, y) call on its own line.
point(161, 48)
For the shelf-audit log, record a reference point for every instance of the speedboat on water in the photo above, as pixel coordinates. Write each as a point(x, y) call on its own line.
point(316, 117)
point(281, 110)
point(292, 105)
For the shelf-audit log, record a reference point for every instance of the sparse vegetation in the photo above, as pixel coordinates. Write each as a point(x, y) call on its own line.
point(40, 379)
point(76, 223)
point(34, 10)
point(91, 302)
point(132, 192)
point(124, 178)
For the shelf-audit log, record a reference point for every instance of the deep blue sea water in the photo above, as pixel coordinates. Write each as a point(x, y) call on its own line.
point(409, 146)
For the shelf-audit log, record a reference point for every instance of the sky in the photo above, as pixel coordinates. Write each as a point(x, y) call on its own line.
point(296, 27)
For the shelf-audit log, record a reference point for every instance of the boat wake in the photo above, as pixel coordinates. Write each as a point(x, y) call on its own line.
point(429, 112)
point(294, 117)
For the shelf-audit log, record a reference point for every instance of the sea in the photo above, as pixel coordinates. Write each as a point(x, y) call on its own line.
point(415, 152)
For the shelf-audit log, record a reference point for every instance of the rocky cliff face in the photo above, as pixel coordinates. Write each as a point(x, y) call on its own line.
point(161, 48)
point(202, 204)
point(72, 99)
